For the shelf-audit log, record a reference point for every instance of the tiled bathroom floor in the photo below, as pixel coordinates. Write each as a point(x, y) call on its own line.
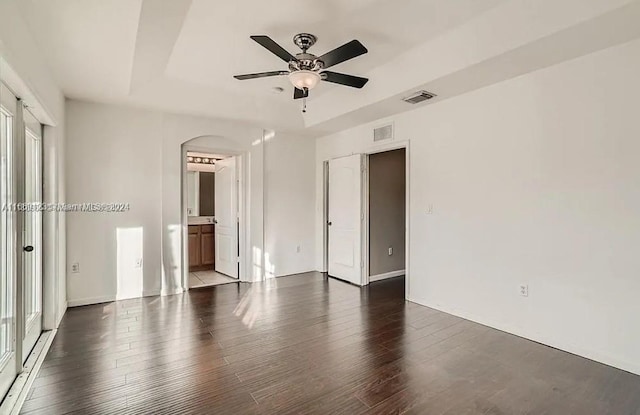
point(206, 278)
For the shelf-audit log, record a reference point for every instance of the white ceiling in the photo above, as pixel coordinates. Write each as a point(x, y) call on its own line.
point(180, 55)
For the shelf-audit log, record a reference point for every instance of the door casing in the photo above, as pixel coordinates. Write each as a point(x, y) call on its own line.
point(242, 160)
point(378, 148)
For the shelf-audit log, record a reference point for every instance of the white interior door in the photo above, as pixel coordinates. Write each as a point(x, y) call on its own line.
point(226, 217)
point(345, 218)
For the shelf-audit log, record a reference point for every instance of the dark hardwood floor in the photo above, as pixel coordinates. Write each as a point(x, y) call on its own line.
point(309, 344)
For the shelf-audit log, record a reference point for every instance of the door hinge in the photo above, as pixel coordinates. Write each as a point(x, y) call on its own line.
point(362, 216)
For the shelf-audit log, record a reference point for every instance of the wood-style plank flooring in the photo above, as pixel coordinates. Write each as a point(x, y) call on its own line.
point(309, 344)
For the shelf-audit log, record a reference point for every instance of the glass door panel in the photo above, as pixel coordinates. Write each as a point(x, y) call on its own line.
point(8, 292)
point(32, 234)
point(20, 236)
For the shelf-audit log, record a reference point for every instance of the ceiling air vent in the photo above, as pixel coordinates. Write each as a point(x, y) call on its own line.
point(419, 97)
point(384, 132)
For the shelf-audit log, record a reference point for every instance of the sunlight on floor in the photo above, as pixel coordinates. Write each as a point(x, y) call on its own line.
point(208, 278)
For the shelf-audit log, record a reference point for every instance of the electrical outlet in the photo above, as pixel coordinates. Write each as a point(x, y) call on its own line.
point(139, 263)
point(75, 267)
point(298, 249)
point(524, 290)
point(390, 251)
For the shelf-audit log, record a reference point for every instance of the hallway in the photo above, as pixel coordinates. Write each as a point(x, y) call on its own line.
point(309, 344)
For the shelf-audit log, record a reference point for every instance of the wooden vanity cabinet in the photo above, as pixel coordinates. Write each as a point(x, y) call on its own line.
point(201, 247)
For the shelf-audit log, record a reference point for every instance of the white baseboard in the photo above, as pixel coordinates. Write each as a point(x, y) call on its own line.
point(386, 275)
point(20, 388)
point(579, 350)
point(153, 293)
point(61, 312)
point(294, 273)
point(110, 298)
point(172, 292)
point(89, 301)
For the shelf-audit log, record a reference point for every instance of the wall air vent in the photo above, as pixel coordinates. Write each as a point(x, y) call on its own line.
point(384, 132)
point(419, 97)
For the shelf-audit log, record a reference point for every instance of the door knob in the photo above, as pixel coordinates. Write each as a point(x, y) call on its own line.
point(329, 223)
point(28, 248)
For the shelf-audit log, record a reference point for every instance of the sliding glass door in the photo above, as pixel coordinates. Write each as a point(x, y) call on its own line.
point(32, 234)
point(20, 236)
point(8, 289)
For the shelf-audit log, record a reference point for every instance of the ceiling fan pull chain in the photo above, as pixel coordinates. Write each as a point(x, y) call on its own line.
point(304, 105)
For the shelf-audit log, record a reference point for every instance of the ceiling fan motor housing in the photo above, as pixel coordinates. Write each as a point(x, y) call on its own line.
point(306, 61)
point(304, 40)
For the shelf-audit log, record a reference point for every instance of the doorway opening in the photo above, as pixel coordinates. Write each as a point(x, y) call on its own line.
point(212, 207)
point(386, 214)
point(366, 219)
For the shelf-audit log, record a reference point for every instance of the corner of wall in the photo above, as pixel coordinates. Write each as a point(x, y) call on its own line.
point(61, 312)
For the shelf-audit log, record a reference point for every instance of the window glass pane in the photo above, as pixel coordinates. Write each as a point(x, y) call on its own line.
point(6, 242)
point(33, 228)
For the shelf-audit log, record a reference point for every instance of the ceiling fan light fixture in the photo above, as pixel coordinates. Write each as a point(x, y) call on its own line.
point(304, 79)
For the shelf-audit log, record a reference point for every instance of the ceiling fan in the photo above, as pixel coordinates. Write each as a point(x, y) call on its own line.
point(307, 70)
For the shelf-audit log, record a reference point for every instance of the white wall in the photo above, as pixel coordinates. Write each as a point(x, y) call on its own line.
point(113, 156)
point(534, 180)
point(289, 204)
point(193, 193)
point(118, 154)
point(30, 77)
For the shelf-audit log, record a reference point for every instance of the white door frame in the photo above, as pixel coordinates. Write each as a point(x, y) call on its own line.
point(379, 148)
point(242, 168)
point(325, 216)
point(32, 329)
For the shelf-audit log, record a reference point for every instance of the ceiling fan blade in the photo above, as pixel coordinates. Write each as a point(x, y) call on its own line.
point(300, 93)
point(345, 52)
point(273, 47)
point(260, 75)
point(344, 79)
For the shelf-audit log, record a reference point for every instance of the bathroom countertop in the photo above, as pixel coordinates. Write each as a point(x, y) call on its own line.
point(200, 220)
